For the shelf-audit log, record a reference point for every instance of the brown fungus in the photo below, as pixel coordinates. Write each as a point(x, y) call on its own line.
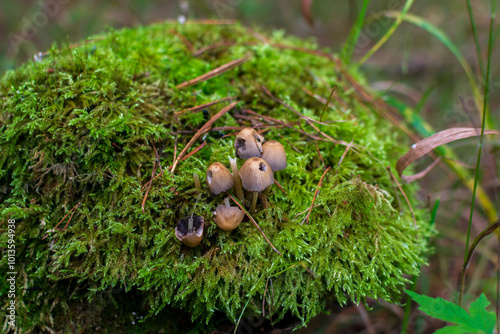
point(248, 144)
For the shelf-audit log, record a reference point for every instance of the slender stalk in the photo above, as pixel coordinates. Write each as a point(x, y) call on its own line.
point(197, 184)
point(255, 195)
point(476, 39)
point(481, 142)
point(226, 202)
point(237, 180)
point(352, 39)
point(190, 224)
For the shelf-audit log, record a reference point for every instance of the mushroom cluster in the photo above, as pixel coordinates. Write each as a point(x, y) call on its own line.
point(256, 175)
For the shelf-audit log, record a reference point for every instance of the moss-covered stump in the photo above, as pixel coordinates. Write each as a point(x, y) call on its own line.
point(78, 132)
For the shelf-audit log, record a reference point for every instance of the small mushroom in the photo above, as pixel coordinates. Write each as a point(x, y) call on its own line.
point(228, 217)
point(189, 230)
point(256, 175)
point(274, 154)
point(219, 178)
point(237, 180)
point(248, 144)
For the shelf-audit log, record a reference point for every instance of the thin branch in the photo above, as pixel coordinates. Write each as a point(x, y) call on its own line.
point(404, 195)
point(215, 72)
point(306, 219)
point(203, 129)
point(203, 106)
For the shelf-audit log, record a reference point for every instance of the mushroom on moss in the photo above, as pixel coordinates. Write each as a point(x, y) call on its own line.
point(219, 178)
point(228, 217)
point(256, 175)
point(248, 144)
point(189, 230)
point(274, 154)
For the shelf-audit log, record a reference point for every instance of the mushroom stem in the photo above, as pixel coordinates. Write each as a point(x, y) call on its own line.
point(197, 184)
point(267, 191)
point(190, 225)
point(237, 180)
point(255, 195)
point(226, 202)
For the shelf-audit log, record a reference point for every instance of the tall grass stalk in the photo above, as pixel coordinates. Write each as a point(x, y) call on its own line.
point(481, 142)
point(476, 39)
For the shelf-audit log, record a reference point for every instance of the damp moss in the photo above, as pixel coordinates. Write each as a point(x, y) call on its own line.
point(79, 127)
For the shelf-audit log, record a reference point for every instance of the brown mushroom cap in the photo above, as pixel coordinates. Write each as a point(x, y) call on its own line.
point(248, 144)
point(193, 238)
point(256, 175)
point(228, 217)
point(274, 154)
point(219, 178)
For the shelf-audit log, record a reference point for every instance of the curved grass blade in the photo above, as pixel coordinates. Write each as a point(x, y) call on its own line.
point(352, 39)
point(388, 33)
point(441, 36)
point(426, 145)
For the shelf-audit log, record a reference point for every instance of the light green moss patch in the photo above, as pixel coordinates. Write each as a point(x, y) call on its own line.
point(79, 127)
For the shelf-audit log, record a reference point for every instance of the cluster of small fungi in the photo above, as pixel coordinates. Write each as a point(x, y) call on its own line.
point(256, 175)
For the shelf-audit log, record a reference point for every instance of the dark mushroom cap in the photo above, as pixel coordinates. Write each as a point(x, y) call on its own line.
point(228, 217)
point(248, 144)
point(182, 233)
point(274, 154)
point(256, 175)
point(219, 178)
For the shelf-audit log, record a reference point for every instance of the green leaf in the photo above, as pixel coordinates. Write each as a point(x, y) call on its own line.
point(478, 320)
point(480, 317)
point(451, 330)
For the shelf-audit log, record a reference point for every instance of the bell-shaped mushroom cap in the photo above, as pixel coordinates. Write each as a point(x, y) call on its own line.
point(256, 175)
point(248, 144)
point(219, 178)
point(228, 217)
point(274, 154)
point(190, 238)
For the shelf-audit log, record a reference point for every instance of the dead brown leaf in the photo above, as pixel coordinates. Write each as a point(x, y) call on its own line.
point(426, 145)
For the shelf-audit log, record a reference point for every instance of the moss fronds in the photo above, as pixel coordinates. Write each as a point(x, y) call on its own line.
point(80, 125)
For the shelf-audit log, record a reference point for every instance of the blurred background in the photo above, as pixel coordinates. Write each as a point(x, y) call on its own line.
point(413, 66)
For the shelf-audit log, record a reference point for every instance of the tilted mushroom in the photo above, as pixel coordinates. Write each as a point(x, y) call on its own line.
point(219, 178)
point(248, 144)
point(274, 154)
point(256, 175)
point(228, 217)
point(189, 230)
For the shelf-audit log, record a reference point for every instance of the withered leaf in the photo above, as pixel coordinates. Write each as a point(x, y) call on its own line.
point(426, 145)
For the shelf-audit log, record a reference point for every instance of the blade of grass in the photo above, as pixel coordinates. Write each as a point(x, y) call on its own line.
point(481, 138)
point(388, 33)
point(476, 39)
point(443, 38)
point(352, 39)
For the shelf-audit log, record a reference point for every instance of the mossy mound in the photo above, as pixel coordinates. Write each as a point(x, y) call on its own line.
point(79, 127)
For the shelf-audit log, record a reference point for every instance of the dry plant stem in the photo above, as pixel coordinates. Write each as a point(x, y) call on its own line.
point(279, 186)
point(213, 73)
point(254, 222)
point(203, 129)
point(72, 211)
point(184, 40)
point(237, 180)
point(202, 145)
point(155, 165)
point(203, 106)
point(255, 196)
point(306, 219)
point(404, 195)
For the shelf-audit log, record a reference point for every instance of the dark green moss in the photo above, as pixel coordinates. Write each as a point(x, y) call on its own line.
point(80, 125)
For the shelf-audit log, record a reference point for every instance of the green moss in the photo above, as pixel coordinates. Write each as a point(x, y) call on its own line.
point(80, 125)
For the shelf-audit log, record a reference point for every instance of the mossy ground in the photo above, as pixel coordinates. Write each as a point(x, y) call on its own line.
point(80, 126)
